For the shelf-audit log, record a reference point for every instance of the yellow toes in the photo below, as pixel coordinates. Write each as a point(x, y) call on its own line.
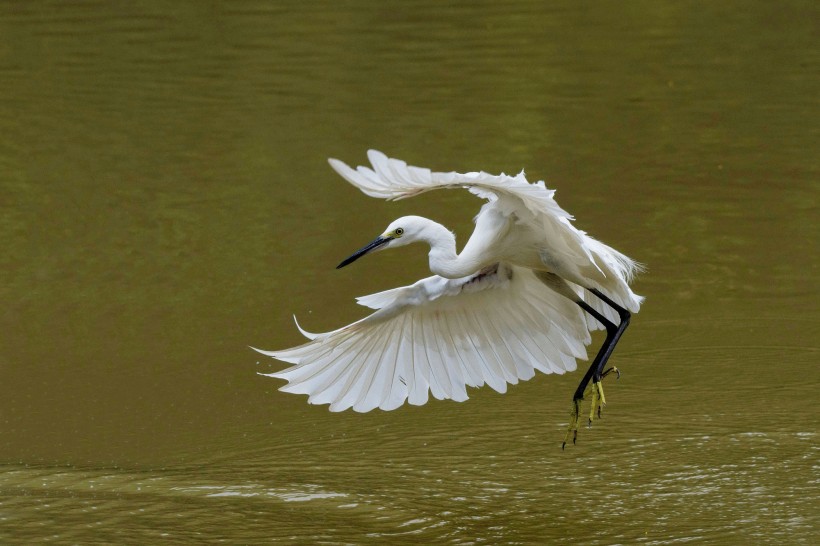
point(595, 390)
point(595, 399)
point(574, 416)
point(598, 401)
point(601, 396)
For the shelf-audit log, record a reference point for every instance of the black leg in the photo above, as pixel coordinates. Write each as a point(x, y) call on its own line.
point(596, 369)
point(613, 333)
point(624, 315)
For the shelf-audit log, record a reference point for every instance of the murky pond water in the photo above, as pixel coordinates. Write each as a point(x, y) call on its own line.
point(165, 202)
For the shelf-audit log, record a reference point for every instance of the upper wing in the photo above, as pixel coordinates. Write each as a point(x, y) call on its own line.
point(394, 179)
point(439, 335)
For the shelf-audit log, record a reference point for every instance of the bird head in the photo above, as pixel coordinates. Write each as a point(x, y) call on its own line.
point(403, 231)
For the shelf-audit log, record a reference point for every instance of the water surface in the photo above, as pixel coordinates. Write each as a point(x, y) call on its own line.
point(165, 202)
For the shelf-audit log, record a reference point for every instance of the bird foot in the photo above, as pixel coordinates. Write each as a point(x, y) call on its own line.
point(596, 390)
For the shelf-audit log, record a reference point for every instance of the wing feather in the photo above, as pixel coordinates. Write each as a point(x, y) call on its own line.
point(420, 365)
point(369, 396)
point(482, 347)
point(398, 390)
point(471, 374)
point(361, 374)
point(524, 368)
point(546, 343)
point(336, 376)
point(496, 347)
point(381, 365)
point(525, 362)
point(551, 361)
point(439, 386)
point(335, 390)
point(492, 376)
point(457, 383)
point(540, 361)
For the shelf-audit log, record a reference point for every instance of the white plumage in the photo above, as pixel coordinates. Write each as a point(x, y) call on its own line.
point(492, 314)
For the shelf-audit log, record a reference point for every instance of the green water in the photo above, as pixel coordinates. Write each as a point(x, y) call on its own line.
point(165, 202)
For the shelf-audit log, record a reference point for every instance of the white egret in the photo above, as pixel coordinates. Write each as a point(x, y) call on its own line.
point(511, 302)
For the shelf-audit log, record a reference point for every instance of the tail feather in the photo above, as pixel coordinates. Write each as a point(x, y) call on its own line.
point(619, 270)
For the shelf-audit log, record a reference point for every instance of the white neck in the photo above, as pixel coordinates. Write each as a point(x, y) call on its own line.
point(443, 258)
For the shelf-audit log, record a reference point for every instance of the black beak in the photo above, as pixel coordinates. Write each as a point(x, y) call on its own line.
point(372, 245)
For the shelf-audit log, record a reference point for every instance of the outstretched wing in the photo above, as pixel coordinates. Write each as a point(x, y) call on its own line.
point(439, 336)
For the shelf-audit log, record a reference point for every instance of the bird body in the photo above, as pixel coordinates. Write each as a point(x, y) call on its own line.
point(511, 302)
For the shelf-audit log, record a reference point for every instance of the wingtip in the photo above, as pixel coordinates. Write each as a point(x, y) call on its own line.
point(264, 352)
point(285, 355)
point(339, 166)
point(310, 335)
point(373, 153)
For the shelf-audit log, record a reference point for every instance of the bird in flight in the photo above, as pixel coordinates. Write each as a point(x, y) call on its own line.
point(522, 295)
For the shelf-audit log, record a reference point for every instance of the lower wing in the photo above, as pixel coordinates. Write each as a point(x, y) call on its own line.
point(439, 336)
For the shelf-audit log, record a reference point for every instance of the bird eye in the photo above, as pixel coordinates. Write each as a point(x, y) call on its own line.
point(399, 231)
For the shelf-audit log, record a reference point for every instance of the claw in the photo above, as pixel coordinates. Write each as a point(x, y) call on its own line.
point(574, 415)
point(566, 437)
point(574, 437)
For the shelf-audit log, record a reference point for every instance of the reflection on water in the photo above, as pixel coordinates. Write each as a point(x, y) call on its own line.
point(165, 202)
